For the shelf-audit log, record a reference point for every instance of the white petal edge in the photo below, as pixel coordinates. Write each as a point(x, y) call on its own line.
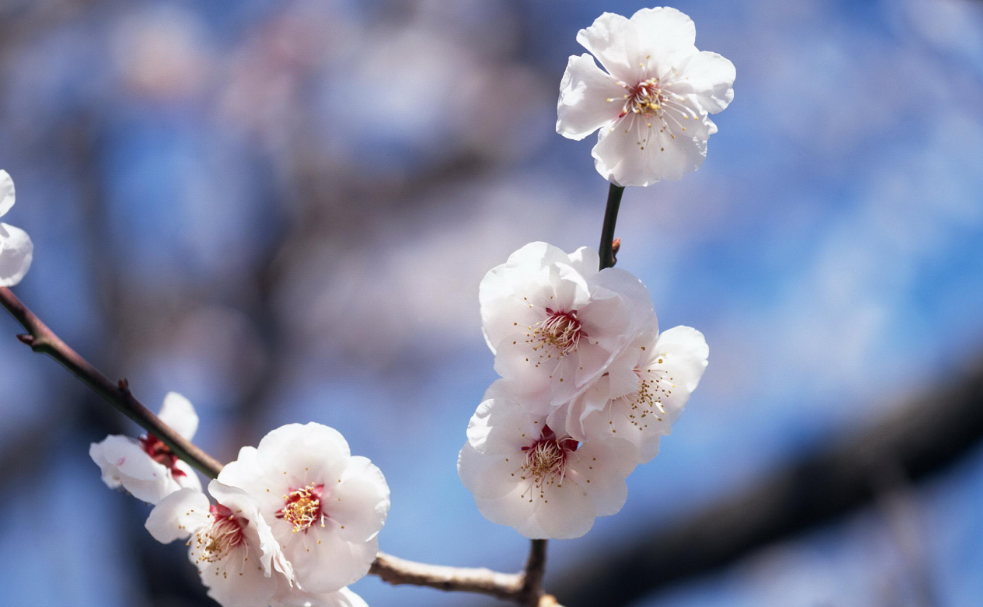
point(16, 254)
point(178, 413)
point(178, 515)
point(589, 99)
point(709, 79)
point(7, 192)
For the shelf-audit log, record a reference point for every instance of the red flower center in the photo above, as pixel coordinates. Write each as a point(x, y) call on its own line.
point(224, 533)
point(161, 453)
point(302, 507)
point(546, 457)
point(560, 332)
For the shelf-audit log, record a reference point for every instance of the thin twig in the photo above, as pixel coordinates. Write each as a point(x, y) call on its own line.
point(606, 250)
point(42, 339)
point(524, 588)
point(397, 571)
point(521, 588)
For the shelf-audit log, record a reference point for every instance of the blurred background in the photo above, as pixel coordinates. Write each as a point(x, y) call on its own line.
point(283, 210)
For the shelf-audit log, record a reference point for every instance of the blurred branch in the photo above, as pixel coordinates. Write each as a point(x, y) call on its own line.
point(524, 588)
point(43, 340)
point(921, 438)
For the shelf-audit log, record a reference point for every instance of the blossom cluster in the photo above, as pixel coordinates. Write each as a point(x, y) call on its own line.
point(290, 523)
point(588, 384)
point(588, 387)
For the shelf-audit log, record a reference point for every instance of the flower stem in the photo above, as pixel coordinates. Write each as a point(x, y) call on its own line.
point(606, 250)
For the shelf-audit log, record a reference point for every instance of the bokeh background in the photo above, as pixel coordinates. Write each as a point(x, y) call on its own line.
point(283, 209)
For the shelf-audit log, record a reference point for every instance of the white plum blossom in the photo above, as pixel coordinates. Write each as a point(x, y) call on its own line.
point(643, 394)
point(16, 249)
point(294, 596)
point(543, 483)
point(324, 505)
point(146, 467)
point(230, 543)
point(555, 323)
point(652, 104)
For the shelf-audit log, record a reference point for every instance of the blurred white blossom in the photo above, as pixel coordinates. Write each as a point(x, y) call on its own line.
point(147, 468)
point(16, 248)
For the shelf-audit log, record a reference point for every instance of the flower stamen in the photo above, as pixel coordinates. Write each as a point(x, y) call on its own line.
point(302, 508)
point(545, 461)
point(558, 335)
point(216, 540)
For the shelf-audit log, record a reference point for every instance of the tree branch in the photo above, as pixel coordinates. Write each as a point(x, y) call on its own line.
point(43, 340)
point(397, 571)
point(524, 588)
point(920, 438)
point(532, 583)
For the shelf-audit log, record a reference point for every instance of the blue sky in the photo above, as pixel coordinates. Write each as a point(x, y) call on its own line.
point(829, 248)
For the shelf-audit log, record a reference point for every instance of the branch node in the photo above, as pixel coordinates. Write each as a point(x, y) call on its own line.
point(26, 339)
point(124, 386)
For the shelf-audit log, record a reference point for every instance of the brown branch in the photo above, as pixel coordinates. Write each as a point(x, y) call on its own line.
point(397, 571)
point(920, 438)
point(524, 588)
point(43, 340)
point(532, 584)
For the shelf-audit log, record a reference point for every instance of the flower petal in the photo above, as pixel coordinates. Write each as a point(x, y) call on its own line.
point(16, 253)
point(236, 580)
point(664, 30)
point(190, 479)
point(612, 39)
point(633, 153)
point(502, 426)
point(586, 261)
point(307, 453)
point(709, 79)
point(488, 475)
point(178, 515)
point(124, 462)
point(260, 536)
point(178, 413)
point(566, 511)
point(589, 99)
point(679, 357)
point(324, 561)
point(246, 474)
point(296, 597)
point(7, 195)
point(360, 502)
point(600, 467)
